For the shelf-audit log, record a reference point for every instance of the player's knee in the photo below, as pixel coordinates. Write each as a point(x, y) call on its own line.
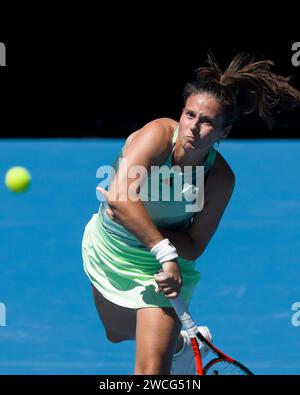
point(155, 366)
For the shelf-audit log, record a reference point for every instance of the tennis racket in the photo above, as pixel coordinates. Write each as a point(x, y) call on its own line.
point(222, 364)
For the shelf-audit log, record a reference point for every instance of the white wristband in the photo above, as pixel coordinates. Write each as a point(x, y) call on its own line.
point(164, 251)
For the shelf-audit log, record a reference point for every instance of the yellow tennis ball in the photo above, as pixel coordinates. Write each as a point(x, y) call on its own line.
point(17, 179)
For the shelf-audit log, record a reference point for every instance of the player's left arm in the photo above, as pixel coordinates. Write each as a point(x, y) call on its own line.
point(218, 190)
point(217, 193)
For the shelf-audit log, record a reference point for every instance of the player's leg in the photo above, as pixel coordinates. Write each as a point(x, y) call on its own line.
point(157, 332)
point(119, 322)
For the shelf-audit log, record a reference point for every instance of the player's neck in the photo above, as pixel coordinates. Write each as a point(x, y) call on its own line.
point(192, 158)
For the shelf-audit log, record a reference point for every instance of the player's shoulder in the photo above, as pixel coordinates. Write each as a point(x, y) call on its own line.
point(160, 126)
point(158, 131)
point(166, 123)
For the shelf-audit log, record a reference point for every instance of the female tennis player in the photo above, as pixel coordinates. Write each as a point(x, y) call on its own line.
point(138, 231)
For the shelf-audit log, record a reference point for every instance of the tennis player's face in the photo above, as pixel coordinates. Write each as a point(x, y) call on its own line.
point(201, 122)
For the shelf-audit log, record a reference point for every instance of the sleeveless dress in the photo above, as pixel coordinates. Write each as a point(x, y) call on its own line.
point(117, 263)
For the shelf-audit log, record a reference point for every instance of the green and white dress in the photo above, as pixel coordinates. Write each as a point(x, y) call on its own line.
point(119, 265)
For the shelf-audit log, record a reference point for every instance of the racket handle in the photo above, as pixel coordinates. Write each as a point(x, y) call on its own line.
point(179, 306)
point(184, 316)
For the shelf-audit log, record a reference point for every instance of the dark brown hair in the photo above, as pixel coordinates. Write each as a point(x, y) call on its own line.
point(245, 87)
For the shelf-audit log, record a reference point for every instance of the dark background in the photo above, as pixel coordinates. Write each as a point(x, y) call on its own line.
point(107, 75)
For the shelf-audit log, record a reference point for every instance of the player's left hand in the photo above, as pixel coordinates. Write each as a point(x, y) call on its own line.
point(109, 211)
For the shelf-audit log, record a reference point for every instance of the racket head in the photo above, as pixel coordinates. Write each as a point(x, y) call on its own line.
point(226, 367)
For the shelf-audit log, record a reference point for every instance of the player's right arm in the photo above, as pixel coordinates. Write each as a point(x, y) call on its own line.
point(148, 147)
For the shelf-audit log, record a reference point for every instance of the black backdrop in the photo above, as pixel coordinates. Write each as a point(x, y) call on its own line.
point(108, 80)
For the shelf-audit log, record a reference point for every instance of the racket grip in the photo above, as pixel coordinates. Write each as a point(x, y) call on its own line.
point(184, 316)
point(179, 306)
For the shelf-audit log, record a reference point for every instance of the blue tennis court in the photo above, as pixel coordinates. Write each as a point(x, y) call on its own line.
point(250, 270)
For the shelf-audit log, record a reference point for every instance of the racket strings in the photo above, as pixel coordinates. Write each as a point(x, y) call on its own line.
point(223, 368)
